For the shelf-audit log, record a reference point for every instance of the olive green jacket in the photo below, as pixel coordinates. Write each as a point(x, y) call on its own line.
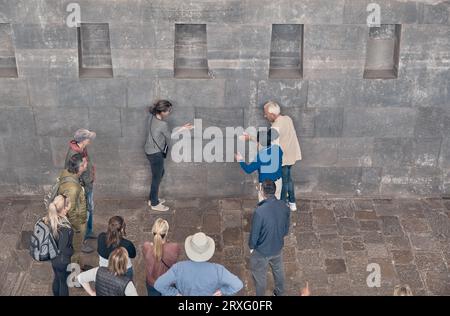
point(77, 214)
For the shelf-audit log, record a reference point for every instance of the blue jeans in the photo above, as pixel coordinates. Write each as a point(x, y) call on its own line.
point(157, 166)
point(90, 209)
point(287, 191)
point(258, 267)
point(151, 291)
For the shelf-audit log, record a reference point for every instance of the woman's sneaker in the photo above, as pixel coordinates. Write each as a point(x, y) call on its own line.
point(293, 206)
point(161, 201)
point(160, 208)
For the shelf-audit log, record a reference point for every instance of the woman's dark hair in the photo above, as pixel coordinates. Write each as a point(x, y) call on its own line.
point(74, 163)
point(160, 106)
point(116, 231)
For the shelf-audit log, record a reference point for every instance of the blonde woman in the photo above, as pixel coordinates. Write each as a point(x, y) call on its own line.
point(110, 281)
point(63, 233)
point(159, 255)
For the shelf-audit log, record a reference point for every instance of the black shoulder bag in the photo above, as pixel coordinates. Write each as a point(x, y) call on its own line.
point(166, 147)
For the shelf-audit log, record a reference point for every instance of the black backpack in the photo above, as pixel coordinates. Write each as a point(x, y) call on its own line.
point(43, 246)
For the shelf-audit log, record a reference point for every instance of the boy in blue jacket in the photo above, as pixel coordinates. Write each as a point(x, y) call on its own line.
point(268, 162)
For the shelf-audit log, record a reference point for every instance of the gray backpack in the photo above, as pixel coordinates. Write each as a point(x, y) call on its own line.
point(50, 196)
point(43, 246)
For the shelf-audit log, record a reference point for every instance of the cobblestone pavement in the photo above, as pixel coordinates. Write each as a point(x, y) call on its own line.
point(330, 245)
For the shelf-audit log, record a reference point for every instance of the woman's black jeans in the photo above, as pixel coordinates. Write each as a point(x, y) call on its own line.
point(157, 165)
point(59, 286)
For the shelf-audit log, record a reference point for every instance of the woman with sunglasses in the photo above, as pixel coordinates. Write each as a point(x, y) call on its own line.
point(62, 231)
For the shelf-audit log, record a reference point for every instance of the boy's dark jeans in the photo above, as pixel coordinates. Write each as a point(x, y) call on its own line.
point(157, 167)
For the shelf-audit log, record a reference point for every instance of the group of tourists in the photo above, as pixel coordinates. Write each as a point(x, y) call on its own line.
point(70, 220)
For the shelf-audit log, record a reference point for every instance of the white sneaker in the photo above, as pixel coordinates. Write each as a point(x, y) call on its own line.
point(293, 207)
point(161, 201)
point(160, 208)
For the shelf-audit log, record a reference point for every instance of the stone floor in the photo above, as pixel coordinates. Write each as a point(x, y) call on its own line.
point(330, 245)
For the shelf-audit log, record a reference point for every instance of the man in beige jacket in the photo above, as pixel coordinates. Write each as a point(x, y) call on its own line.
point(290, 146)
point(288, 142)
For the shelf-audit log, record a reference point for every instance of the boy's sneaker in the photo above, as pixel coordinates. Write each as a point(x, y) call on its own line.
point(160, 208)
point(293, 207)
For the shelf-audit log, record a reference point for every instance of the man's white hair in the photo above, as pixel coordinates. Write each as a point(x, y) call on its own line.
point(273, 107)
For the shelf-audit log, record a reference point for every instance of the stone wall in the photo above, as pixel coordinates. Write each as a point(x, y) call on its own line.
point(358, 136)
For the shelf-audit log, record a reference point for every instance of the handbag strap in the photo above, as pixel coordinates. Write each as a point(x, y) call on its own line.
point(165, 263)
point(151, 121)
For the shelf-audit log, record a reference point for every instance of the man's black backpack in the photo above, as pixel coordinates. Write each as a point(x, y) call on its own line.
point(43, 246)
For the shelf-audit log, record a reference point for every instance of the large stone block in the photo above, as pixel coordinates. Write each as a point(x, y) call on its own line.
point(105, 121)
point(303, 119)
point(220, 117)
point(134, 123)
point(395, 181)
point(17, 121)
point(193, 11)
point(197, 93)
point(47, 63)
point(319, 152)
point(444, 157)
point(34, 11)
point(230, 174)
point(392, 12)
point(104, 11)
point(59, 148)
point(329, 122)
point(370, 181)
point(355, 152)
point(92, 92)
point(105, 151)
point(334, 93)
point(311, 12)
point(420, 152)
point(133, 35)
point(33, 151)
point(425, 181)
point(36, 181)
point(339, 180)
point(432, 122)
point(433, 13)
point(43, 91)
point(288, 93)
point(384, 122)
point(44, 36)
point(179, 176)
point(60, 122)
point(334, 51)
point(142, 63)
point(13, 92)
point(141, 92)
point(240, 93)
